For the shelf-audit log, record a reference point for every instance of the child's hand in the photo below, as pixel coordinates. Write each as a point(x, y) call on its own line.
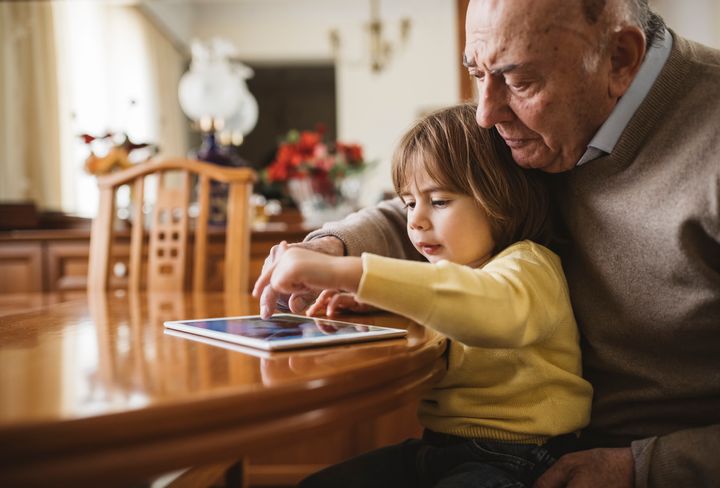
point(300, 270)
point(331, 302)
point(270, 299)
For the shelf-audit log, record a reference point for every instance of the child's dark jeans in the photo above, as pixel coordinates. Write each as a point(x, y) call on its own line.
point(444, 461)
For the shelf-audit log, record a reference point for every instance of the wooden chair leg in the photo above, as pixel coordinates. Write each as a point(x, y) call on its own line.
point(236, 475)
point(232, 473)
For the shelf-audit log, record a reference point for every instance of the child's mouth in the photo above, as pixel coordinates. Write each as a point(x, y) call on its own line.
point(429, 248)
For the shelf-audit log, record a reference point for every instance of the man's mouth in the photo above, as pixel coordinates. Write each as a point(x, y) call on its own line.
point(516, 143)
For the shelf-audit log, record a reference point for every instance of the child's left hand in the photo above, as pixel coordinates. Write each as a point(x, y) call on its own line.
point(331, 302)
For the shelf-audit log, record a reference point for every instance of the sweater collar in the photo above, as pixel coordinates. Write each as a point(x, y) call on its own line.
point(609, 133)
point(663, 95)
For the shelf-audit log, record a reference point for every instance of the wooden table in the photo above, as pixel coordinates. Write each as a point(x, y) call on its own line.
point(94, 393)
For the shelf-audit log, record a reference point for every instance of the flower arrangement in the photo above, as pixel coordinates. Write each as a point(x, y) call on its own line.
point(306, 154)
point(317, 174)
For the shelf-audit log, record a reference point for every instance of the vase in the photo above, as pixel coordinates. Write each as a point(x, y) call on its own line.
point(321, 199)
point(211, 152)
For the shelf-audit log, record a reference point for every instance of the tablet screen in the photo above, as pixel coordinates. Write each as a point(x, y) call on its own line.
point(280, 328)
point(283, 331)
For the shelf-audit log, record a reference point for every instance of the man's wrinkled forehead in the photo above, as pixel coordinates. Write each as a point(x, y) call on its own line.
point(492, 26)
point(492, 46)
point(521, 27)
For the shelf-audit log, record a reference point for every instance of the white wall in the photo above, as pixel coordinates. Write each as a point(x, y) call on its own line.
point(698, 20)
point(373, 109)
point(175, 18)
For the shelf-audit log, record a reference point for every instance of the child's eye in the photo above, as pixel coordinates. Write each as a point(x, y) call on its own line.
point(410, 205)
point(440, 203)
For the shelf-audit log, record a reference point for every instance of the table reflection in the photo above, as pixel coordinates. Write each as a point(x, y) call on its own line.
point(96, 387)
point(111, 353)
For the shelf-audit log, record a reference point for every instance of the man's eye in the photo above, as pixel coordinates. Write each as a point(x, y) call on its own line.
point(477, 74)
point(519, 86)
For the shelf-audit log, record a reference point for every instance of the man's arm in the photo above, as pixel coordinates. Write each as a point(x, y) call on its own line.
point(685, 458)
point(379, 230)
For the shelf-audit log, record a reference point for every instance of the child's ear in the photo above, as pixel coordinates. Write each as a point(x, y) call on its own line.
point(627, 51)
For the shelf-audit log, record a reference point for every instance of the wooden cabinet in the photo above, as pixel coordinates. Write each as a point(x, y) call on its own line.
point(57, 260)
point(66, 264)
point(21, 267)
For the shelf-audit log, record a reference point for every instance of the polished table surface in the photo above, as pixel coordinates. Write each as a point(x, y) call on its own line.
point(92, 389)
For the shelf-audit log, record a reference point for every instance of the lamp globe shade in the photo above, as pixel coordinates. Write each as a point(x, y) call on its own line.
point(209, 90)
point(245, 117)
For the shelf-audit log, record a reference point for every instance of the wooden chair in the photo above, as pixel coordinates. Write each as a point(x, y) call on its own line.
point(169, 232)
point(168, 252)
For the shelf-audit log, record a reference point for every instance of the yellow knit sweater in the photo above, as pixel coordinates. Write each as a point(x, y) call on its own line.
point(514, 370)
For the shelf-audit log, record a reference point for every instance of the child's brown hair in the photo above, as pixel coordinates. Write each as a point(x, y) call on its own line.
point(464, 158)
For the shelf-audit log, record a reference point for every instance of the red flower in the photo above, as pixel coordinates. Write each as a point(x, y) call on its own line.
point(277, 171)
point(353, 152)
point(305, 154)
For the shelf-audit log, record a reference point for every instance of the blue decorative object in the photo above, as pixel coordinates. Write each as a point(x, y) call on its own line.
point(212, 152)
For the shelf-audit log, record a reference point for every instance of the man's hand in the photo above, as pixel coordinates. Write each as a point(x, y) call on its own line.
point(297, 302)
point(596, 468)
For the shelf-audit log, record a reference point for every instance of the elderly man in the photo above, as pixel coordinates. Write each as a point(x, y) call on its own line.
point(602, 88)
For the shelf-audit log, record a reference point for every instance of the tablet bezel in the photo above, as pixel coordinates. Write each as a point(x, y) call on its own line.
point(378, 333)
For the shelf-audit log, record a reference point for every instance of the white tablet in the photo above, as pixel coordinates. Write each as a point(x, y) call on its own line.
point(283, 331)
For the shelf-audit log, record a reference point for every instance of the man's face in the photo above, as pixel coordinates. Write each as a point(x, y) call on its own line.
point(542, 78)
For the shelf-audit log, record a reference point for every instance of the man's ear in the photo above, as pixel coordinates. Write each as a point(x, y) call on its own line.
point(627, 52)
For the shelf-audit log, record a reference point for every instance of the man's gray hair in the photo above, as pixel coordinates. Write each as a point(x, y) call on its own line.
point(651, 23)
point(638, 13)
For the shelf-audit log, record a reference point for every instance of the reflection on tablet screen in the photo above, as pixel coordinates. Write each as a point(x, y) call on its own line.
point(279, 328)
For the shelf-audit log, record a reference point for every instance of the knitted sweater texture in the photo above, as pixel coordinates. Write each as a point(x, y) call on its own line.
point(642, 261)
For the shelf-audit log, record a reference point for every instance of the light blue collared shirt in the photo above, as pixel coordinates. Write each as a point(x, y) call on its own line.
point(607, 136)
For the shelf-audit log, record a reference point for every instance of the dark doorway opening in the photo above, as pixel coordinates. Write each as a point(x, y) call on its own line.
point(289, 97)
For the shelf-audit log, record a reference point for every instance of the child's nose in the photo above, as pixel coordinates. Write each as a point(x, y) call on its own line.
point(418, 222)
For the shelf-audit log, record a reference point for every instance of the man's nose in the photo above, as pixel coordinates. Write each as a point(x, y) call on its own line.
point(492, 103)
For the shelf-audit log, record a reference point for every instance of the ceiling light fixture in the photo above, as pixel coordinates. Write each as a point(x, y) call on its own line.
point(381, 49)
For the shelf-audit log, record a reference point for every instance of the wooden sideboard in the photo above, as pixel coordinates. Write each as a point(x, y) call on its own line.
point(56, 260)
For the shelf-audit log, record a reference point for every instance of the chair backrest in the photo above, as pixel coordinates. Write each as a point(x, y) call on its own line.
point(169, 229)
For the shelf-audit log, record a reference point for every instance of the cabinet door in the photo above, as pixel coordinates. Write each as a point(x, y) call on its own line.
point(21, 267)
point(67, 265)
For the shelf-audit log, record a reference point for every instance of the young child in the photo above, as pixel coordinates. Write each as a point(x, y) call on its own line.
point(513, 396)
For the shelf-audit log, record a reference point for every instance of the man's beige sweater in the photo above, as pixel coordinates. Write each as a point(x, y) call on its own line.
point(643, 266)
